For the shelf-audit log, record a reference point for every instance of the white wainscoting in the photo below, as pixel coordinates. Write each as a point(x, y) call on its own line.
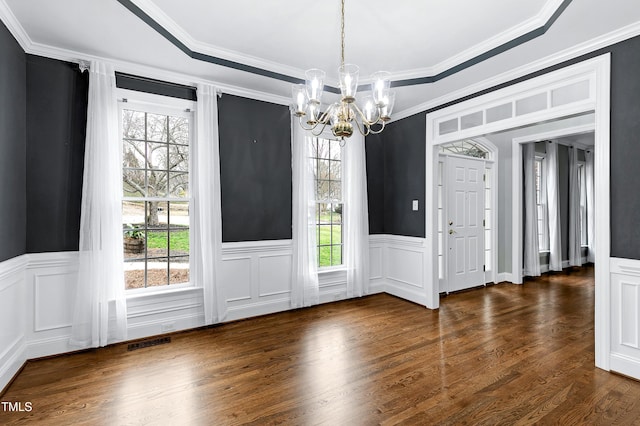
point(625, 317)
point(256, 277)
point(12, 318)
point(37, 293)
point(403, 268)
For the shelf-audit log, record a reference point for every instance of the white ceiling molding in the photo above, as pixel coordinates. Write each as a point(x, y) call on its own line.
point(603, 41)
point(18, 32)
point(534, 23)
point(154, 12)
point(14, 27)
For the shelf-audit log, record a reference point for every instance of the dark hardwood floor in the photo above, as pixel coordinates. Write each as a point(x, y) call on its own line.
point(504, 354)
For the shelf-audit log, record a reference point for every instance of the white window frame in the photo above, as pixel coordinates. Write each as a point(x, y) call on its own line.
point(341, 266)
point(157, 104)
point(582, 182)
point(541, 204)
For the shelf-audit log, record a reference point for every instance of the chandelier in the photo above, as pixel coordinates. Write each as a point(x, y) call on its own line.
point(345, 114)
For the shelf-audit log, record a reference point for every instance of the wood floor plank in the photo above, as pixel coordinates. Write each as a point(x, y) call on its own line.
point(504, 354)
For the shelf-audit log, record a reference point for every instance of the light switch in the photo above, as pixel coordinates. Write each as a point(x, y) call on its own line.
point(415, 205)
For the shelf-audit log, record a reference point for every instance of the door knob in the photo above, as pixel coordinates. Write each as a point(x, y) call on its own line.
point(451, 232)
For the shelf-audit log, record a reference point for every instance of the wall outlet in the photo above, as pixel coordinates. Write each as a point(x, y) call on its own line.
point(167, 327)
point(415, 205)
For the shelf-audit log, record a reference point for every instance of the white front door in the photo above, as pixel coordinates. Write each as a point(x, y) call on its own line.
point(464, 223)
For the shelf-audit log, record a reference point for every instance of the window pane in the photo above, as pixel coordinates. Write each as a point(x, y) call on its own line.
point(134, 275)
point(336, 255)
point(178, 158)
point(157, 272)
point(179, 270)
point(133, 154)
point(323, 190)
point(157, 243)
point(157, 215)
point(179, 241)
point(336, 150)
point(156, 127)
point(156, 183)
point(133, 124)
point(323, 148)
point(336, 216)
point(157, 156)
point(336, 234)
point(335, 170)
point(325, 235)
point(179, 185)
point(323, 169)
point(324, 254)
point(133, 183)
point(179, 130)
point(133, 213)
point(335, 190)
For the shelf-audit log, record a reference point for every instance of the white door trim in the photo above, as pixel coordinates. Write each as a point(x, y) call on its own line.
point(597, 71)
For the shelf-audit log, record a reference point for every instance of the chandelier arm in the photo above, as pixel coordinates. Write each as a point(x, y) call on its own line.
point(375, 132)
point(362, 126)
point(324, 125)
point(305, 127)
point(363, 118)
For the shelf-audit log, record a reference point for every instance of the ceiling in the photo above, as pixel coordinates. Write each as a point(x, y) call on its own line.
point(433, 48)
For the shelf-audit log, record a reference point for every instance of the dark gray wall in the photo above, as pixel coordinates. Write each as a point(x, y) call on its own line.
point(400, 150)
point(374, 150)
point(625, 146)
point(255, 169)
point(56, 123)
point(625, 149)
point(13, 95)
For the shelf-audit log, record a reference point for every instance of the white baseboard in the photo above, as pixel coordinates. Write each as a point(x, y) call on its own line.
point(167, 324)
point(504, 276)
point(625, 365)
point(258, 308)
point(11, 361)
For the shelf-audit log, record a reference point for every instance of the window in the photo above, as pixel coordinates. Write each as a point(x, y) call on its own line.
point(326, 155)
point(541, 204)
point(155, 201)
point(582, 184)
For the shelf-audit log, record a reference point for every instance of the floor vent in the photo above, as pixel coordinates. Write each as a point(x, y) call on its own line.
point(147, 343)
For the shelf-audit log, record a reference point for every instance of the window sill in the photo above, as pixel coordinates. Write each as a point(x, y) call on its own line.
point(330, 269)
point(160, 291)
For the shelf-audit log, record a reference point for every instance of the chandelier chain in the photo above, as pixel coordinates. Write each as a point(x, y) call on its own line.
point(342, 35)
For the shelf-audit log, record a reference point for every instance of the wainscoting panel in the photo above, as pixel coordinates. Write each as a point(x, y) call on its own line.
point(235, 276)
point(274, 272)
point(12, 302)
point(404, 263)
point(625, 317)
point(51, 280)
point(256, 277)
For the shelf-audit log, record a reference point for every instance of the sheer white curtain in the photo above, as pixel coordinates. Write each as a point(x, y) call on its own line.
point(553, 204)
point(100, 293)
point(207, 235)
point(575, 236)
point(304, 273)
point(531, 243)
point(588, 156)
point(356, 217)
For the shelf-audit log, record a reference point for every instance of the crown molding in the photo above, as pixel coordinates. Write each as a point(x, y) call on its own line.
point(154, 12)
point(530, 27)
point(589, 46)
point(14, 27)
point(155, 73)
